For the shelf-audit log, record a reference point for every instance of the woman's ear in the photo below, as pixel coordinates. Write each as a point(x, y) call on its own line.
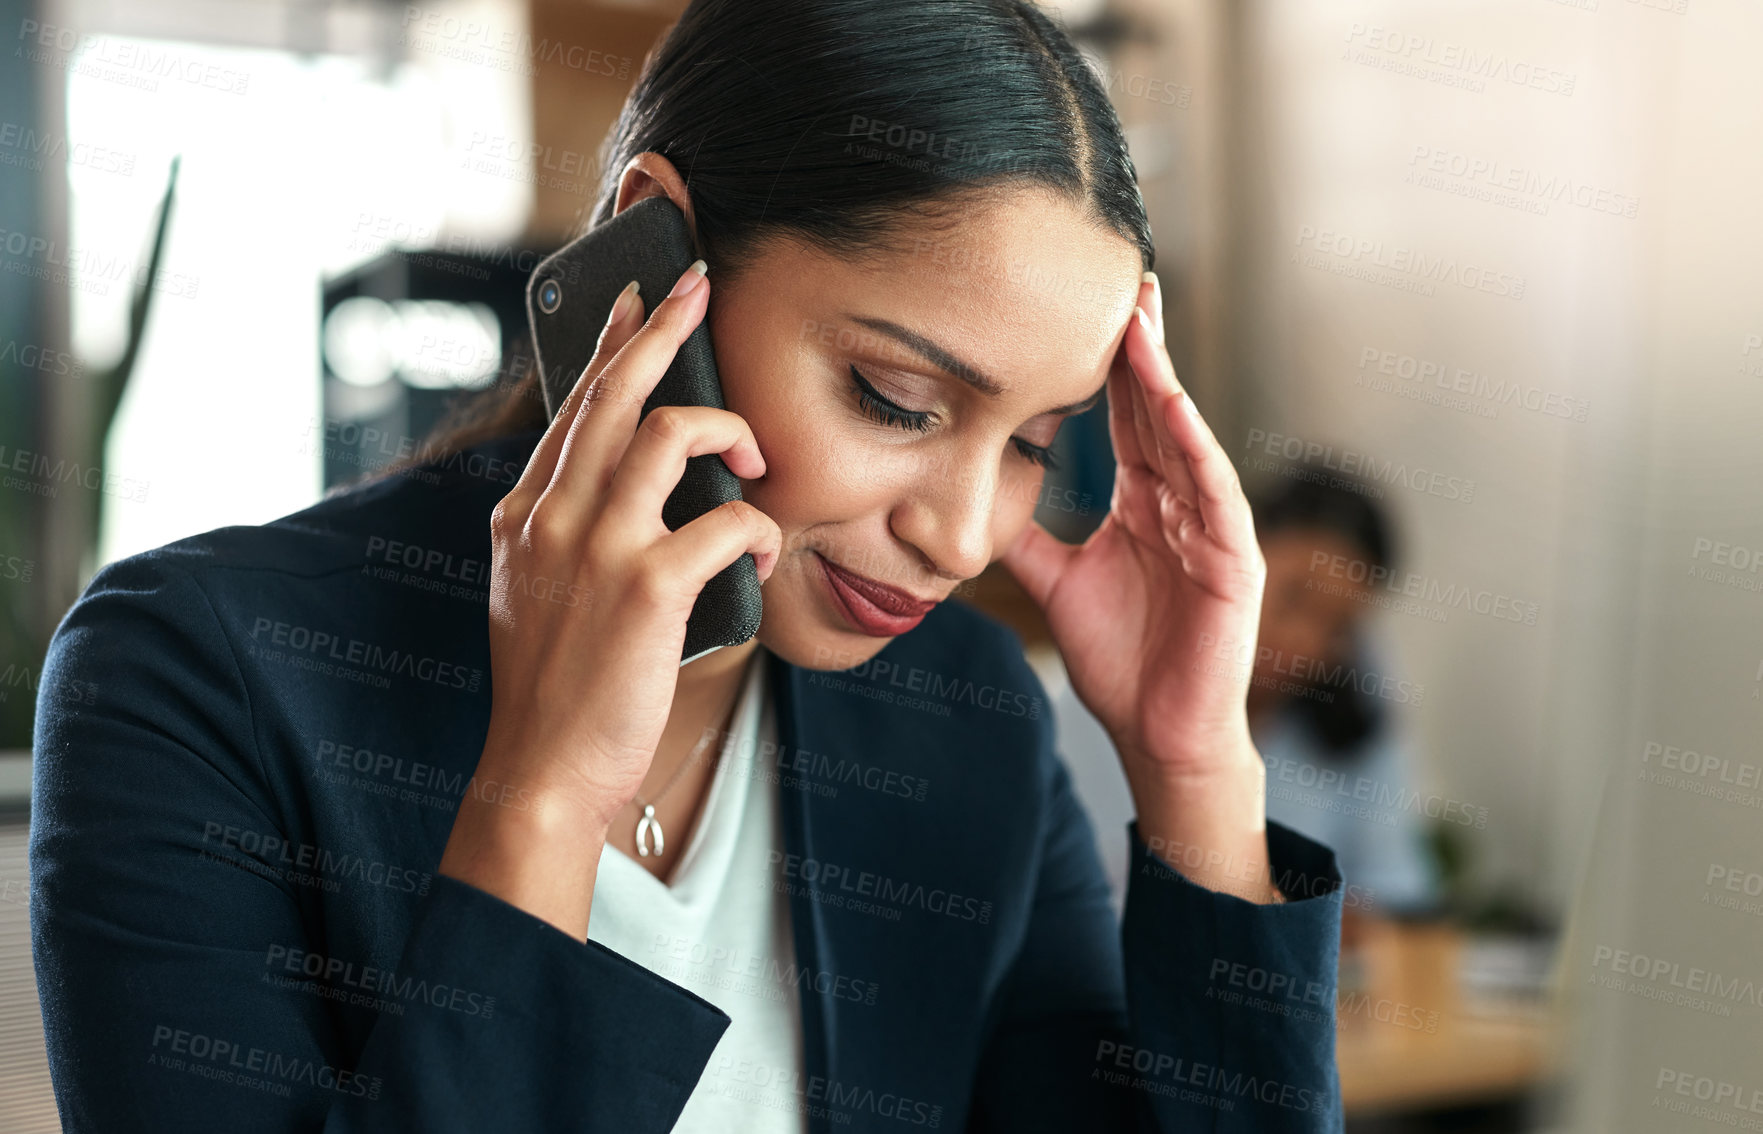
point(649, 174)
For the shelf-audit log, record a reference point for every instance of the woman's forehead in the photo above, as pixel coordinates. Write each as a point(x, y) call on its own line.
point(1028, 285)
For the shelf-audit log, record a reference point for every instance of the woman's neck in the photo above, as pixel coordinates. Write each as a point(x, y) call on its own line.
point(704, 700)
point(713, 678)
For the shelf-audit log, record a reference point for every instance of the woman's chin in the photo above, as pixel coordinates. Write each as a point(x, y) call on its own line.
point(803, 639)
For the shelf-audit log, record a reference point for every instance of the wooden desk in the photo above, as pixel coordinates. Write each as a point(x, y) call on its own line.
point(1408, 1039)
point(1468, 1059)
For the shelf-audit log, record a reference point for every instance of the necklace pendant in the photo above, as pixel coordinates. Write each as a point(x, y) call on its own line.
point(646, 824)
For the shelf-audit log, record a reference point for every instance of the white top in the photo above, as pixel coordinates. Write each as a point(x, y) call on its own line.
point(721, 932)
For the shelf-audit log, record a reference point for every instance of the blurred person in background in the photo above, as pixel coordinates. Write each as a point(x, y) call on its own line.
point(1323, 705)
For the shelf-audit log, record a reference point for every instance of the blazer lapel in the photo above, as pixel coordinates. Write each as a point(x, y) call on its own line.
point(808, 926)
point(950, 864)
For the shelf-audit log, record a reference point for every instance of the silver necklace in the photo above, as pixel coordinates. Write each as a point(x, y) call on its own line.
point(648, 823)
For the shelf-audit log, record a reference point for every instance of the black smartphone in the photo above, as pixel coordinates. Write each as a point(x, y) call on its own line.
point(568, 300)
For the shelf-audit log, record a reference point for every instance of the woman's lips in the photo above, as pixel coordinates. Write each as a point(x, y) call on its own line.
point(874, 608)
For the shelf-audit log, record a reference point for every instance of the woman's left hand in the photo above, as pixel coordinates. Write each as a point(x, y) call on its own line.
point(1155, 615)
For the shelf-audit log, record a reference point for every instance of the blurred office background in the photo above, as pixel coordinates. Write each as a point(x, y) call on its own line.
point(1501, 258)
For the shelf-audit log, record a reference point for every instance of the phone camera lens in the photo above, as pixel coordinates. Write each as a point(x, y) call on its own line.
point(550, 297)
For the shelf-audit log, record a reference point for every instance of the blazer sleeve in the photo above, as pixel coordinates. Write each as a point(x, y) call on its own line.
point(1196, 1011)
point(150, 960)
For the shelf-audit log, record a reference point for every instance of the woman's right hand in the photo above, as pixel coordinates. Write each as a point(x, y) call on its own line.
point(589, 598)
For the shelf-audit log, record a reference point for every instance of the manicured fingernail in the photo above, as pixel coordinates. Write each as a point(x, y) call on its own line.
point(689, 280)
point(622, 306)
point(1144, 319)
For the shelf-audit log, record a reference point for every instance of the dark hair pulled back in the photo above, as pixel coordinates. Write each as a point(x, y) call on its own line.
point(833, 119)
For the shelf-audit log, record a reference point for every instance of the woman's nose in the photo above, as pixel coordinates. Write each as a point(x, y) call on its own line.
point(949, 515)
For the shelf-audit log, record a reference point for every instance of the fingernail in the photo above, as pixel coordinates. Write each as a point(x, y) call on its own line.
point(622, 306)
point(689, 280)
point(1144, 319)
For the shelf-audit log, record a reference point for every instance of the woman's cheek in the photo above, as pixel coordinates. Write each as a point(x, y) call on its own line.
point(817, 469)
point(861, 472)
point(1015, 507)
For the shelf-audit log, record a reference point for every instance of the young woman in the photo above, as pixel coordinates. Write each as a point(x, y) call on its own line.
point(344, 847)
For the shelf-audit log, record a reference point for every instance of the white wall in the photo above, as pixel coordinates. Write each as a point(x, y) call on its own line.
point(1345, 150)
point(1646, 318)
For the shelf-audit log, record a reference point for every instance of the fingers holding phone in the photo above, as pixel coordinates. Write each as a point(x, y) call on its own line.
point(585, 666)
point(626, 318)
point(590, 597)
point(621, 385)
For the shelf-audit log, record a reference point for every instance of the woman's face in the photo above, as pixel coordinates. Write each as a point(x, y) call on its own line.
point(1026, 297)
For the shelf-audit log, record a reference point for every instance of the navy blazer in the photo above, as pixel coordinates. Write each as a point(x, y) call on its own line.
point(250, 748)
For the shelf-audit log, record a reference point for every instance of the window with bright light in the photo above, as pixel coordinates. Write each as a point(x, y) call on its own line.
point(294, 169)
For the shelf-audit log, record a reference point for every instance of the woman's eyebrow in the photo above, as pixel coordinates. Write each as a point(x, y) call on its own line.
point(946, 360)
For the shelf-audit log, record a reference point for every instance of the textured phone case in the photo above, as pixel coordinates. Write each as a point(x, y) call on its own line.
point(648, 242)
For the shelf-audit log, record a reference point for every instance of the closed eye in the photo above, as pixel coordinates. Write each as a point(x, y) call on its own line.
point(879, 408)
point(885, 411)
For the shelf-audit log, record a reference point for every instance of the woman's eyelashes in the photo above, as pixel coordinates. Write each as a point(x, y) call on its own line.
point(880, 409)
point(1041, 455)
point(885, 411)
